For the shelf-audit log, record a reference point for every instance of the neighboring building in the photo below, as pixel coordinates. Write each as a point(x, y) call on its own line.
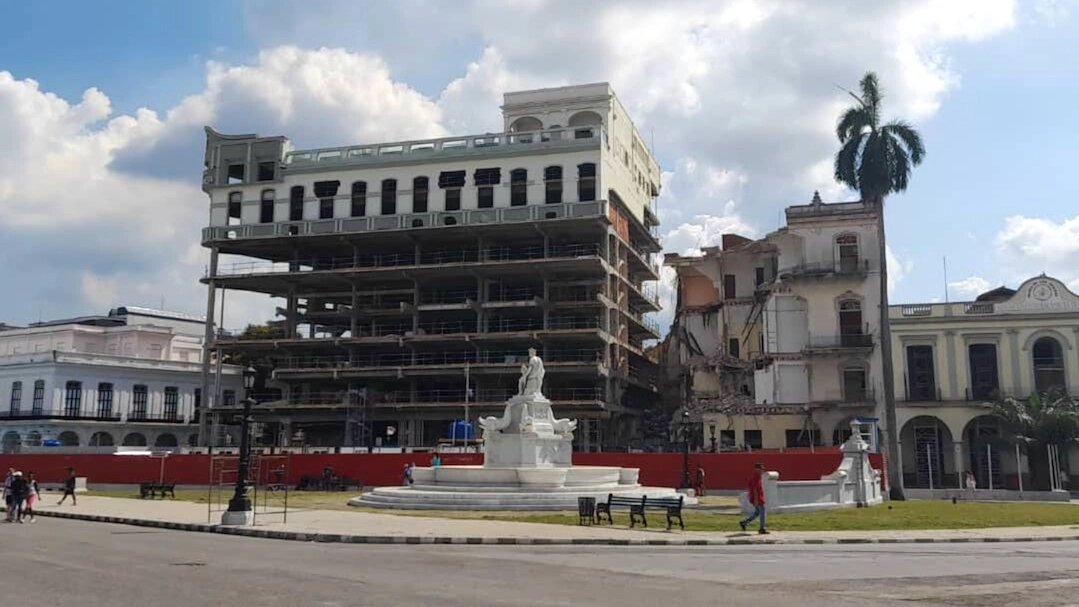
point(778, 337)
point(953, 359)
point(415, 275)
point(130, 378)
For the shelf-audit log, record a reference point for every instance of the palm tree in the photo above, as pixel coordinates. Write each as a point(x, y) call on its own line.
point(876, 159)
point(1041, 420)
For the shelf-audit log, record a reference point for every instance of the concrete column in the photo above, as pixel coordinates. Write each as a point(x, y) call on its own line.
point(208, 337)
point(354, 317)
point(960, 468)
point(949, 353)
point(1013, 349)
point(290, 313)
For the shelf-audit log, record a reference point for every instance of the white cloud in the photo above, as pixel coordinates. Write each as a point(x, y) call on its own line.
point(739, 98)
point(898, 268)
point(970, 287)
point(109, 207)
point(1032, 245)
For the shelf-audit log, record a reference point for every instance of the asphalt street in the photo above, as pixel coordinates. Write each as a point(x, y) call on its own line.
point(62, 562)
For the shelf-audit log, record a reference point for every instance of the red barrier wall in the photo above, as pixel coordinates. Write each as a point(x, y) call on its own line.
point(722, 470)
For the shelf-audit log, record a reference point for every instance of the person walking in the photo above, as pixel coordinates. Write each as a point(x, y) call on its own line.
point(406, 476)
point(756, 498)
point(971, 484)
point(700, 480)
point(69, 488)
point(18, 496)
point(7, 493)
point(436, 461)
point(32, 493)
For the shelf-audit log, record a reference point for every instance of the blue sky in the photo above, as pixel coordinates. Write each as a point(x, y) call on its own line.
point(101, 188)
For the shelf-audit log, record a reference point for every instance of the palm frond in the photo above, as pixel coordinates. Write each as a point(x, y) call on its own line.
point(910, 138)
point(846, 162)
point(874, 171)
point(898, 162)
point(852, 123)
point(871, 95)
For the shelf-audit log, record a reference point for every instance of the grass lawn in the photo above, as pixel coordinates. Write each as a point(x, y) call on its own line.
point(901, 515)
point(916, 514)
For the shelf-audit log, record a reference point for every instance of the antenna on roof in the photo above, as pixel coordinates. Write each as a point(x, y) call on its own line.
point(945, 279)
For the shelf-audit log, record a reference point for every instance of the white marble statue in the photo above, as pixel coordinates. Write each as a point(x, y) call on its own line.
point(532, 375)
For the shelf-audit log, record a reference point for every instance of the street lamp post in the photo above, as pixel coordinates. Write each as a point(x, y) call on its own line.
point(239, 511)
point(685, 450)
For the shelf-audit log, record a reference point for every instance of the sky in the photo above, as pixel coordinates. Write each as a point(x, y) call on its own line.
point(102, 107)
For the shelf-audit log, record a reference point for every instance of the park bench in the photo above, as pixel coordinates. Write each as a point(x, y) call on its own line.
point(151, 490)
point(638, 506)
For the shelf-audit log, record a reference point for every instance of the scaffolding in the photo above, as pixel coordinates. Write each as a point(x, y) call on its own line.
point(267, 483)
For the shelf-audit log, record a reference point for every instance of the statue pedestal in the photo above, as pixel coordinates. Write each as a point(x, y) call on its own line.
point(526, 450)
point(529, 439)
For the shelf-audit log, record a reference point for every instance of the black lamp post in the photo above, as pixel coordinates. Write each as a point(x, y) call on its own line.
point(239, 511)
point(685, 450)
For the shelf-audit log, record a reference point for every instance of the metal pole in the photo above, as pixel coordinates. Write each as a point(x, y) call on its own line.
point(240, 501)
point(1052, 468)
point(929, 463)
point(989, 463)
point(467, 384)
point(1019, 468)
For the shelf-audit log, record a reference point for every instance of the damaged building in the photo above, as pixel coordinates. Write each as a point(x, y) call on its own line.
point(775, 340)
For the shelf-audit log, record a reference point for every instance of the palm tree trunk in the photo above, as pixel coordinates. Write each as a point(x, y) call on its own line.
point(891, 431)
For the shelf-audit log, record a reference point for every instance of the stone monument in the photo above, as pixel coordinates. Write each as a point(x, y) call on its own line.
point(528, 434)
point(527, 464)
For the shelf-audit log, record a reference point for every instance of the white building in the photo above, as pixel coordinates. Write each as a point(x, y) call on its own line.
point(131, 378)
point(953, 359)
point(411, 276)
point(780, 334)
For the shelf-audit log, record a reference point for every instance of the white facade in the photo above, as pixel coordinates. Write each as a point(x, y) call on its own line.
point(953, 359)
point(99, 382)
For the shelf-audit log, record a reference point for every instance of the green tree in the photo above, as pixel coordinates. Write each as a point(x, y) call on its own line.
point(1038, 421)
point(876, 159)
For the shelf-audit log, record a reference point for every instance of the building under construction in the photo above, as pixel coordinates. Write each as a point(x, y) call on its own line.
point(413, 276)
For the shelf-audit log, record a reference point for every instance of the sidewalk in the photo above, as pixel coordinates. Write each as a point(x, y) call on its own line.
point(367, 527)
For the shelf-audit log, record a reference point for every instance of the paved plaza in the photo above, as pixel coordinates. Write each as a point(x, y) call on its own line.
point(378, 525)
point(75, 563)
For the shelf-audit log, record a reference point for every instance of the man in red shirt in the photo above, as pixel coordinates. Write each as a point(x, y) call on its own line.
point(756, 497)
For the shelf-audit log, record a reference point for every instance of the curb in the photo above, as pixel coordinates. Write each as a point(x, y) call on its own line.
point(336, 538)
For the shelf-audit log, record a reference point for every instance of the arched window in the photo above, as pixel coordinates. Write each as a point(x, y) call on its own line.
point(850, 321)
point(101, 439)
point(16, 397)
point(295, 203)
point(525, 124)
point(420, 187)
point(552, 182)
point(140, 397)
point(72, 398)
point(266, 202)
point(983, 371)
point(586, 181)
point(235, 207)
point(135, 439)
point(359, 198)
point(518, 187)
point(172, 404)
point(486, 180)
point(847, 252)
point(104, 400)
point(1048, 359)
point(389, 196)
point(326, 191)
point(39, 397)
